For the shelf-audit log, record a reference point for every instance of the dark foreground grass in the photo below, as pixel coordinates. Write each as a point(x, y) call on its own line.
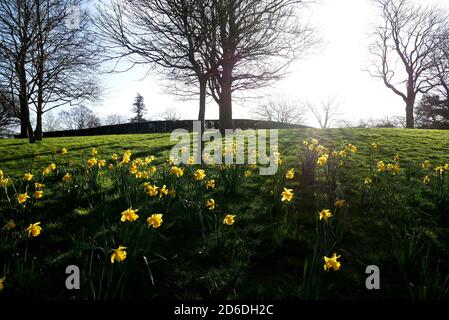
point(186, 265)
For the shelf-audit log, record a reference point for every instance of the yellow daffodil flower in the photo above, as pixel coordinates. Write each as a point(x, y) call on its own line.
point(155, 220)
point(229, 220)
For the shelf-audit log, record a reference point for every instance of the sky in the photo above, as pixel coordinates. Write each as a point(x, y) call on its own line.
point(336, 69)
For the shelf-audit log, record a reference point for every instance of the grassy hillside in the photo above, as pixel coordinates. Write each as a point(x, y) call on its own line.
point(274, 249)
point(415, 145)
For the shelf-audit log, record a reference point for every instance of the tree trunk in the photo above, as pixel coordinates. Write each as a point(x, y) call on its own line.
point(38, 131)
point(24, 118)
point(31, 138)
point(410, 120)
point(202, 110)
point(225, 104)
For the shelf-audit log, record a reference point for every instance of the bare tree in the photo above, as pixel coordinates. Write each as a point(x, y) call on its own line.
point(327, 113)
point(114, 119)
point(405, 43)
point(227, 45)
point(280, 110)
point(168, 35)
point(46, 61)
point(17, 34)
point(170, 114)
point(51, 122)
point(253, 45)
point(440, 70)
point(79, 117)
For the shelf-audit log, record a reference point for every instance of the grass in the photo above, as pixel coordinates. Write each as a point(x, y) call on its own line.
point(184, 264)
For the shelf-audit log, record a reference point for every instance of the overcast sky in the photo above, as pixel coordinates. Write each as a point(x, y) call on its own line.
point(335, 70)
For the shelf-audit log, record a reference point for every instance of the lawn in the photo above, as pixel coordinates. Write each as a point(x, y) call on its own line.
point(275, 248)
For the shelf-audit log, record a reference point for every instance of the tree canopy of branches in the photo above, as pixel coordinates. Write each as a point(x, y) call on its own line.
point(46, 61)
point(170, 114)
point(138, 108)
point(79, 117)
point(167, 35)
point(326, 113)
point(252, 46)
point(404, 50)
point(280, 110)
point(222, 45)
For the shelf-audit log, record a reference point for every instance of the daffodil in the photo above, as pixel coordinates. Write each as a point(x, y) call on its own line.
point(10, 224)
point(210, 204)
point(163, 191)
point(374, 145)
point(4, 182)
point(28, 176)
point(152, 170)
point(340, 203)
point(118, 254)
point(368, 181)
point(129, 215)
point(93, 152)
point(133, 169)
point(332, 263)
point(22, 198)
point(101, 163)
point(38, 194)
point(426, 180)
point(177, 171)
point(247, 174)
point(397, 157)
point(34, 229)
point(287, 195)
point(155, 220)
point(323, 159)
point(46, 171)
point(92, 162)
point(325, 214)
point(2, 281)
point(52, 166)
point(151, 189)
point(352, 147)
point(290, 174)
point(439, 170)
point(229, 219)
point(67, 177)
point(381, 166)
point(127, 156)
point(210, 184)
point(426, 164)
point(64, 151)
point(199, 175)
point(446, 167)
point(114, 157)
point(38, 186)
